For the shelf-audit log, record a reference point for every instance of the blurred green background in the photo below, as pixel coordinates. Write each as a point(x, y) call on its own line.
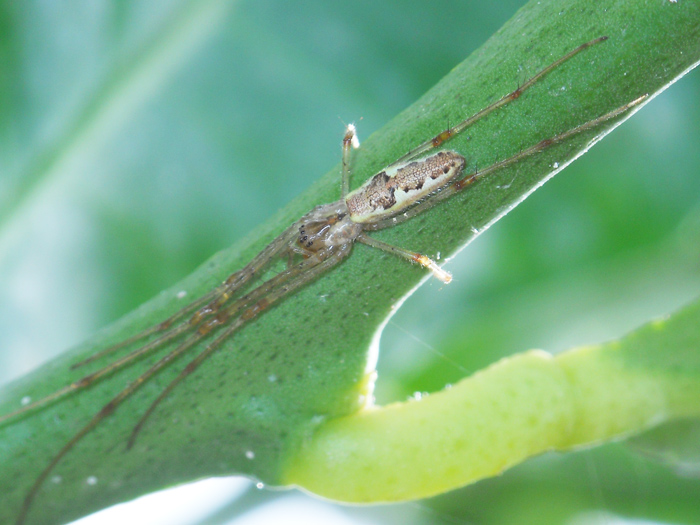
point(136, 139)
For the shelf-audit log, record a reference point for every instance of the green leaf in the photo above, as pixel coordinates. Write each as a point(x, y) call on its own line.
point(519, 407)
point(326, 322)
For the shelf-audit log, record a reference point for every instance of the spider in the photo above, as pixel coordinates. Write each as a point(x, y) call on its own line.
point(313, 245)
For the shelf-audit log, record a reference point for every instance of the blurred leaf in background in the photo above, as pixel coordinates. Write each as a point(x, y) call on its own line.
point(136, 139)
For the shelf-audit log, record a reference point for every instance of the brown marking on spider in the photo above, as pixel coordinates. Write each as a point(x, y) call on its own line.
point(443, 137)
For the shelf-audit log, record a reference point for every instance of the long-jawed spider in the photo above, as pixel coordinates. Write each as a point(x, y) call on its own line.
point(313, 245)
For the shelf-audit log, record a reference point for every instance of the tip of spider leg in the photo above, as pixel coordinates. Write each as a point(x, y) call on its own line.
point(351, 136)
point(438, 273)
point(444, 276)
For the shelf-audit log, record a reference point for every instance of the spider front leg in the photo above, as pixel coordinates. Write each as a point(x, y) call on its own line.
point(211, 302)
point(240, 312)
point(287, 282)
point(206, 306)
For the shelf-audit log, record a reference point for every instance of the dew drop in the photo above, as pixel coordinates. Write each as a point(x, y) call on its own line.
point(555, 165)
point(272, 378)
point(25, 401)
point(259, 485)
point(250, 454)
point(91, 480)
point(56, 479)
point(181, 294)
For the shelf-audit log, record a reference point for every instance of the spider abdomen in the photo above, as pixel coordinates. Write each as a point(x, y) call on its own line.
point(394, 189)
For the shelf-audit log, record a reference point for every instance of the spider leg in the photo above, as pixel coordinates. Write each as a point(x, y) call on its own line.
point(471, 178)
point(419, 258)
point(242, 277)
point(164, 325)
point(102, 414)
point(263, 297)
point(191, 367)
point(447, 134)
point(89, 379)
point(349, 142)
point(213, 301)
point(295, 278)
